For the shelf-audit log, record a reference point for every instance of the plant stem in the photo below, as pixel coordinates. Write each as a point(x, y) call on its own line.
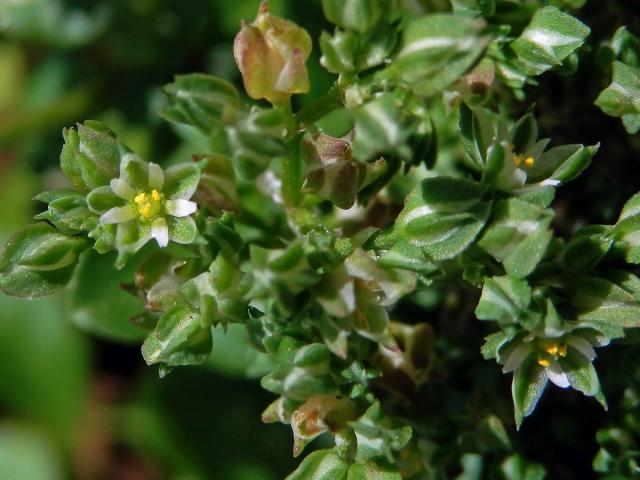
point(327, 103)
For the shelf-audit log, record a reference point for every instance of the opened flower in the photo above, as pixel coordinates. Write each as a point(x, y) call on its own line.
point(551, 354)
point(146, 202)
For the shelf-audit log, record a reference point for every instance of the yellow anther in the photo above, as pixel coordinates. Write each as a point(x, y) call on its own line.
point(529, 162)
point(545, 362)
point(562, 350)
point(552, 349)
point(517, 159)
point(149, 204)
point(140, 198)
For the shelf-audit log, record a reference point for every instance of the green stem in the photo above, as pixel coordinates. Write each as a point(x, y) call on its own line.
point(318, 109)
point(289, 119)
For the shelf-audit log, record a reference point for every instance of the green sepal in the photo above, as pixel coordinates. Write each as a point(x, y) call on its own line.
point(582, 375)
point(527, 387)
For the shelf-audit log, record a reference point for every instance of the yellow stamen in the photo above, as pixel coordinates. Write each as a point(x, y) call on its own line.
point(149, 204)
point(140, 198)
point(562, 350)
point(552, 349)
point(545, 362)
point(529, 162)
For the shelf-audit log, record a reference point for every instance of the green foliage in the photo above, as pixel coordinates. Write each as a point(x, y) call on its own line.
point(325, 248)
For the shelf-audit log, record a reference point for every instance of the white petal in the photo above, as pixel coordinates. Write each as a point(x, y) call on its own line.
point(118, 215)
point(516, 357)
point(582, 345)
point(180, 207)
point(160, 231)
point(156, 176)
point(122, 189)
point(557, 375)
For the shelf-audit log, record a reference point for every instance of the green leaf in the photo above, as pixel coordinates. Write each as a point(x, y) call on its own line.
point(550, 38)
point(612, 302)
point(527, 388)
point(91, 155)
point(588, 247)
point(178, 339)
point(516, 467)
point(381, 127)
point(492, 345)
point(321, 465)
point(256, 140)
point(626, 232)
point(379, 436)
point(67, 210)
point(433, 42)
point(443, 216)
point(631, 208)
point(626, 47)
point(561, 164)
point(98, 303)
point(622, 97)
point(503, 299)
point(518, 236)
point(38, 260)
point(371, 471)
point(357, 15)
point(200, 100)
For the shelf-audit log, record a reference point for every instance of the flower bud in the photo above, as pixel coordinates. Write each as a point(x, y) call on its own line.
point(271, 54)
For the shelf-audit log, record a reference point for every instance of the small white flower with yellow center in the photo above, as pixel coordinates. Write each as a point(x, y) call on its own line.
point(549, 353)
point(147, 202)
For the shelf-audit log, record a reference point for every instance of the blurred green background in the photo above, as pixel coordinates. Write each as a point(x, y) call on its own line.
point(76, 400)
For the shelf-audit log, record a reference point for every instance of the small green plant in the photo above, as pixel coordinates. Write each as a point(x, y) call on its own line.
point(327, 242)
